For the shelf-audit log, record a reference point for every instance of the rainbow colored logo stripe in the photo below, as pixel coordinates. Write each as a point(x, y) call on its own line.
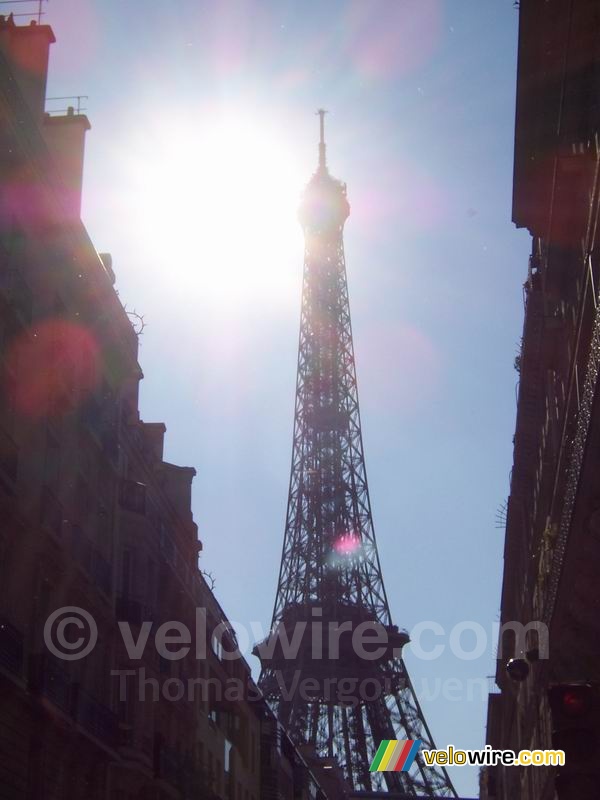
point(394, 755)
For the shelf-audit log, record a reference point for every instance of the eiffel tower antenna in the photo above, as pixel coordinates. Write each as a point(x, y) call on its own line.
point(322, 149)
point(333, 696)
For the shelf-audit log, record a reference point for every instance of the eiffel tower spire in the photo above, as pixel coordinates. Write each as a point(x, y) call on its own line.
point(338, 696)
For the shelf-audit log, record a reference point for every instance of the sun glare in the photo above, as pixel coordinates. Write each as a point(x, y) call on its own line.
point(214, 202)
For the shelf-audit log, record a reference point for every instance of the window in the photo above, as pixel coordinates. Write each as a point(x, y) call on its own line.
point(164, 665)
point(8, 387)
point(51, 512)
point(217, 647)
point(133, 496)
point(151, 583)
point(228, 746)
point(52, 461)
point(211, 771)
point(126, 573)
point(84, 502)
point(12, 250)
point(9, 456)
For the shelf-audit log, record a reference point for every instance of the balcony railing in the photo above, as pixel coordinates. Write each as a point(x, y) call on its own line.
point(48, 677)
point(94, 716)
point(11, 648)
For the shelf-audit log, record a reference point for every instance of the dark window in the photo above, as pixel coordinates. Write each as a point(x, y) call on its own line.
point(133, 496)
point(84, 502)
point(9, 457)
point(8, 389)
point(51, 512)
point(126, 573)
point(52, 461)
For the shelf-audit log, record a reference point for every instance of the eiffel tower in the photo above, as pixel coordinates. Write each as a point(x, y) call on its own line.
point(340, 698)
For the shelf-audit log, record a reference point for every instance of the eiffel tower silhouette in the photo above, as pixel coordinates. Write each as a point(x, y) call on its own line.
point(332, 665)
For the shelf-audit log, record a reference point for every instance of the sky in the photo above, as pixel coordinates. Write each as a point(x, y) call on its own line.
point(203, 136)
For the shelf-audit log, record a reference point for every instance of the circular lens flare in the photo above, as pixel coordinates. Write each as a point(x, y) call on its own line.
point(57, 364)
point(347, 544)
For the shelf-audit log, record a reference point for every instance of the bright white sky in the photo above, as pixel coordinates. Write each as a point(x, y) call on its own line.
point(203, 134)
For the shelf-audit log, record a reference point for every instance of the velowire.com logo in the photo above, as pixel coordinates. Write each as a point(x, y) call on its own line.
point(395, 755)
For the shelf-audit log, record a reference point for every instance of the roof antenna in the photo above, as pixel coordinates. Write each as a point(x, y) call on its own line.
point(322, 161)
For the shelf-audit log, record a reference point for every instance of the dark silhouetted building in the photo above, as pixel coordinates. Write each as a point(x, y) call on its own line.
point(92, 517)
point(552, 549)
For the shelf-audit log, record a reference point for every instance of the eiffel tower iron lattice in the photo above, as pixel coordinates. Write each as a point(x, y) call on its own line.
point(340, 697)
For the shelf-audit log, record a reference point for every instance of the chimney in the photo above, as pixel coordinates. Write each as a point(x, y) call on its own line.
point(26, 49)
point(65, 137)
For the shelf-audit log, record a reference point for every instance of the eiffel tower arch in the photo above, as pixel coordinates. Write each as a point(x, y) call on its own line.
point(332, 665)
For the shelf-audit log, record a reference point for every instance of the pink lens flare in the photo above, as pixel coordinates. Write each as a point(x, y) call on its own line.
point(346, 544)
point(55, 366)
point(401, 41)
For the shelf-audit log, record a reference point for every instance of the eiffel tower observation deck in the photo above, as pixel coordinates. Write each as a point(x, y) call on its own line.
point(332, 665)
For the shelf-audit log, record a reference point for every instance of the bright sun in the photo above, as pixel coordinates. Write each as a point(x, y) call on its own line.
point(215, 202)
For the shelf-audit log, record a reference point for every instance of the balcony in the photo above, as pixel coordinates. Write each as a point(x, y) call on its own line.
point(11, 648)
point(94, 716)
point(48, 677)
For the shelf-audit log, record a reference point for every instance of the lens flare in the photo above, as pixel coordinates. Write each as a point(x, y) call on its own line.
point(57, 364)
point(347, 544)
